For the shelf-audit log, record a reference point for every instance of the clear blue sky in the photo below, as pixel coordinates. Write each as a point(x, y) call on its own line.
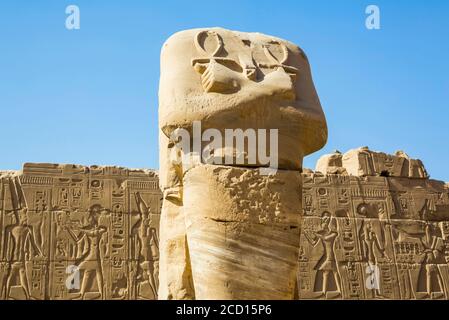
point(90, 96)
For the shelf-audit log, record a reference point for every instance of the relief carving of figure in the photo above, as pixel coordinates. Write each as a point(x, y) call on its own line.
point(20, 247)
point(432, 256)
point(90, 261)
point(326, 267)
point(369, 243)
point(146, 248)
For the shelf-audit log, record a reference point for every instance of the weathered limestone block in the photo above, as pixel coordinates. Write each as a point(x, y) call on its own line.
point(241, 227)
point(364, 162)
point(249, 83)
point(331, 164)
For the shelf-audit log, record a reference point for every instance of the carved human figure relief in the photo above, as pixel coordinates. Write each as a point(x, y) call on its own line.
point(20, 248)
point(147, 242)
point(432, 256)
point(327, 269)
point(91, 261)
point(371, 245)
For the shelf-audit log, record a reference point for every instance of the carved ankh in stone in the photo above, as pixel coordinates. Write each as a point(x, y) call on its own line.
point(228, 231)
point(218, 73)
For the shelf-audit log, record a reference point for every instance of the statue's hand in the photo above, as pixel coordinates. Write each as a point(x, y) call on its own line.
point(219, 78)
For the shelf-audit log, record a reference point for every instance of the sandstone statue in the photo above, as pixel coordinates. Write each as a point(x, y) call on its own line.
point(228, 229)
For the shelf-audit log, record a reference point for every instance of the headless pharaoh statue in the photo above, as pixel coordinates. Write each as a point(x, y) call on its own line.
point(237, 114)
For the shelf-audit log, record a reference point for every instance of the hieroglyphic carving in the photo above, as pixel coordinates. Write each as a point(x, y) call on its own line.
point(56, 220)
point(390, 233)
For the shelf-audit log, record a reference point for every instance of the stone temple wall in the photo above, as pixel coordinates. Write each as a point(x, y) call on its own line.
point(374, 227)
point(104, 220)
point(398, 224)
point(382, 232)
